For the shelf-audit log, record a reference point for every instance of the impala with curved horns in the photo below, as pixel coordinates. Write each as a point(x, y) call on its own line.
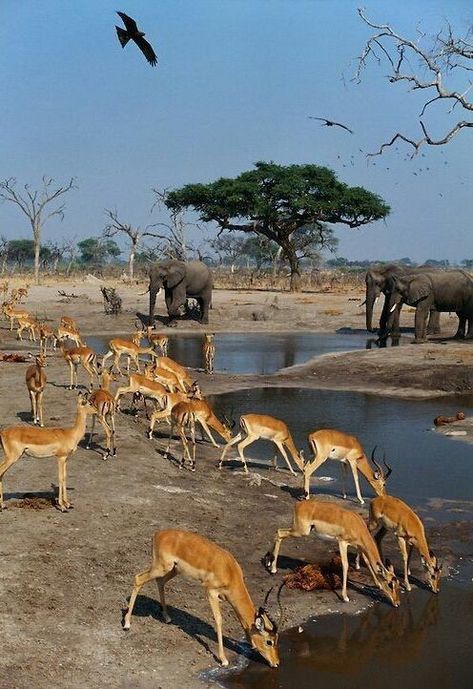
point(329, 521)
point(181, 552)
point(390, 513)
point(346, 449)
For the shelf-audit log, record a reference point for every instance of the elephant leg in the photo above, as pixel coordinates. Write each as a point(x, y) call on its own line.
point(420, 324)
point(433, 326)
point(204, 304)
point(469, 332)
point(460, 334)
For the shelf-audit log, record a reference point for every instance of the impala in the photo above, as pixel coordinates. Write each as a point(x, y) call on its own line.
point(184, 381)
point(80, 355)
point(104, 402)
point(331, 444)
point(158, 340)
point(168, 401)
point(67, 332)
point(12, 313)
point(186, 413)
point(139, 383)
point(208, 350)
point(69, 323)
point(35, 379)
point(261, 427)
point(327, 520)
point(46, 333)
point(46, 442)
point(27, 323)
point(131, 349)
point(390, 513)
point(181, 552)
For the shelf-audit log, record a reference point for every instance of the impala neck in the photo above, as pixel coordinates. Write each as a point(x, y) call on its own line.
point(80, 422)
point(294, 453)
point(422, 543)
point(241, 602)
point(365, 468)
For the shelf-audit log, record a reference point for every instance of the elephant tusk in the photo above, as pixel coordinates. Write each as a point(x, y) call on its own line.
point(140, 294)
point(376, 299)
point(362, 304)
point(393, 308)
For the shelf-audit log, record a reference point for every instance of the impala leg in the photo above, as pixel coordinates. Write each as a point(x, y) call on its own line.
point(161, 582)
point(91, 433)
point(343, 548)
point(379, 540)
point(354, 471)
point(108, 433)
point(140, 580)
point(207, 430)
point(296, 530)
point(215, 607)
point(344, 479)
point(185, 446)
point(39, 407)
point(193, 442)
point(409, 555)
point(33, 405)
point(286, 458)
point(246, 442)
point(233, 441)
point(309, 469)
point(4, 466)
point(63, 503)
point(116, 363)
point(403, 548)
point(107, 356)
point(137, 364)
point(90, 371)
point(112, 426)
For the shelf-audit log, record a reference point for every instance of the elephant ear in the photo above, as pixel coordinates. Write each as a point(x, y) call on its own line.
point(175, 275)
point(419, 288)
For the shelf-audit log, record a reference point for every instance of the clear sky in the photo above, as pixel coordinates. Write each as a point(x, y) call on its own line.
point(235, 83)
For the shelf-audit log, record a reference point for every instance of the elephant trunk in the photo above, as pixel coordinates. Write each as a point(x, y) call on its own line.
point(371, 296)
point(153, 291)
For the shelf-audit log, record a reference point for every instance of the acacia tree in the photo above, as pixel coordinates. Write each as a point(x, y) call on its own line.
point(276, 201)
point(441, 60)
point(35, 205)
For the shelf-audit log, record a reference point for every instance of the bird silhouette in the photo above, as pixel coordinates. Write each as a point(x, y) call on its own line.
point(133, 34)
point(330, 123)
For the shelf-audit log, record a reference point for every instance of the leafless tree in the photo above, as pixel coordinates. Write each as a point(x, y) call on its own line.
point(4, 251)
point(440, 59)
point(116, 226)
point(69, 247)
point(175, 243)
point(34, 204)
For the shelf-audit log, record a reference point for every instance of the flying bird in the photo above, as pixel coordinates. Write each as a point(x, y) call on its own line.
point(133, 34)
point(330, 123)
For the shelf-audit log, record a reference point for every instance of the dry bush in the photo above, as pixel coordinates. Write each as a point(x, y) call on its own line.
point(313, 281)
point(324, 576)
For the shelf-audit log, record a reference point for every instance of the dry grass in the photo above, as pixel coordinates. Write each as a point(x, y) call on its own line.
point(332, 312)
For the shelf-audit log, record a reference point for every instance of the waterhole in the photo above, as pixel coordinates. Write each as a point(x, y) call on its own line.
point(258, 353)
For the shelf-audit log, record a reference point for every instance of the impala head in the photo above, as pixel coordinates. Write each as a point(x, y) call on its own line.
point(264, 632)
point(390, 583)
point(137, 336)
point(433, 570)
point(84, 404)
point(229, 425)
point(195, 392)
point(380, 476)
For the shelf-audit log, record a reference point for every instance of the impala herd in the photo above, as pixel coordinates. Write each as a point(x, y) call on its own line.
point(178, 401)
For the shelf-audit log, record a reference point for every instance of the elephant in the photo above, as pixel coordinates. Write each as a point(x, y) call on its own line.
point(443, 291)
point(380, 279)
point(180, 280)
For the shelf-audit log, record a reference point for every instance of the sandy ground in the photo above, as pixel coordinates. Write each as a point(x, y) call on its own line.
point(65, 578)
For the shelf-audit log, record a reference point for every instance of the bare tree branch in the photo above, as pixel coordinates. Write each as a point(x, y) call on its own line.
point(435, 62)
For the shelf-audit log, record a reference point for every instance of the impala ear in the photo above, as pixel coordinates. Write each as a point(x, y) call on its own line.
point(259, 622)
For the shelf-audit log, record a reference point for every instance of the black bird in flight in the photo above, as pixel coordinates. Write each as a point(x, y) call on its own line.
point(133, 34)
point(330, 123)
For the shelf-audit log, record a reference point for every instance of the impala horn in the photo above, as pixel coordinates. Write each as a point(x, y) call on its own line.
point(281, 619)
point(379, 472)
point(389, 468)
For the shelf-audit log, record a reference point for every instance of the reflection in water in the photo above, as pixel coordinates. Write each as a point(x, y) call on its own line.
point(421, 644)
point(259, 353)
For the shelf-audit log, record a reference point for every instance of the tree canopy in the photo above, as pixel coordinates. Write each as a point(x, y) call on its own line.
point(277, 201)
point(96, 251)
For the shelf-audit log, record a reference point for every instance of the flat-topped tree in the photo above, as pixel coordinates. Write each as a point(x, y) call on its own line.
point(276, 201)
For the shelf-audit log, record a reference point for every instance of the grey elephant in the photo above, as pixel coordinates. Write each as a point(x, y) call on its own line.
point(443, 291)
point(379, 279)
point(180, 280)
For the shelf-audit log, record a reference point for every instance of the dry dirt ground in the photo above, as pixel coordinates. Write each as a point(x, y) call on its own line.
point(65, 578)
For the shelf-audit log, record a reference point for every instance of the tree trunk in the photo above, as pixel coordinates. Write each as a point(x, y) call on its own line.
point(37, 249)
point(290, 254)
point(131, 261)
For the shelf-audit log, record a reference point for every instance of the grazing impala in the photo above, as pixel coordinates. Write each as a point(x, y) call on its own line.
point(208, 350)
point(46, 442)
point(389, 513)
point(139, 383)
point(181, 374)
point(80, 355)
point(261, 427)
point(35, 379)
point(327, 520)
point(168, 401)
point(130, 349)
point(186, 413)
point(181, 552)
point(104, 402)
point(331, 444)
point(46, 333)
point(66, 331)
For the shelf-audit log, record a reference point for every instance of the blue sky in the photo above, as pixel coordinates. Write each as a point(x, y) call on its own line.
point(235, 83)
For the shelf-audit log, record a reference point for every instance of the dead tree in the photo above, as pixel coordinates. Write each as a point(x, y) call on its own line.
point(112, 302)
point(439, 58)
point(134, 234)
point(34, 205)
